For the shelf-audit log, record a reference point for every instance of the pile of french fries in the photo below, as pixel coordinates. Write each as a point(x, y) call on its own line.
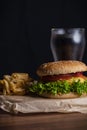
point(14, 84)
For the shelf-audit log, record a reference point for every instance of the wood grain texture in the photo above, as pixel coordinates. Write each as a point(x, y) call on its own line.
point(47, 121)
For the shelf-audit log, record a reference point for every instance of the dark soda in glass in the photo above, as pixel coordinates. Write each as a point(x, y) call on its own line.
point(67, 44)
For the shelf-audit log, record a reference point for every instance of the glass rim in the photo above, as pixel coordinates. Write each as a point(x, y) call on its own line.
point(54, 29)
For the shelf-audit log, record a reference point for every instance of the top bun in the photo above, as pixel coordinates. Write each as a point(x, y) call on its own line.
point(61, 67)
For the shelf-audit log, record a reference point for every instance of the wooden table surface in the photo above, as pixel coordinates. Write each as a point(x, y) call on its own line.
point(43, 121)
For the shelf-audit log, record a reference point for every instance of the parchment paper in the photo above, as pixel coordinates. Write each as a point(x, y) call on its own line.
point(27, 104)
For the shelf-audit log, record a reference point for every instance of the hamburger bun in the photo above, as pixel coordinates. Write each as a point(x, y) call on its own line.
point(61, 67)
point(63, 96)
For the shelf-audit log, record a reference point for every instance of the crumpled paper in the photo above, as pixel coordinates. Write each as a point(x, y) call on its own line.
point(27, 104)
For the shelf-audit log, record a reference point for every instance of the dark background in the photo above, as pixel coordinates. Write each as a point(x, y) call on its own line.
point(25, 31)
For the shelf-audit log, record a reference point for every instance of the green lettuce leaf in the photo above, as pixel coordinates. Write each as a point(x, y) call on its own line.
point(59, 87)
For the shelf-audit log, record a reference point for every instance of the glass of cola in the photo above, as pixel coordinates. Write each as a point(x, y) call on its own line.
point(67, 43)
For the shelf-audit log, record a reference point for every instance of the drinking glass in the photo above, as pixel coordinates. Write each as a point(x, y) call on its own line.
point(67, 44)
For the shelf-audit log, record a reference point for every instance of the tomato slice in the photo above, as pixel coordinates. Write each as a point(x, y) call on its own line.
point(51, 78)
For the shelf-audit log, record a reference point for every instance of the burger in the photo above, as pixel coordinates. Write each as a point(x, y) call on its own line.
point(61, 79)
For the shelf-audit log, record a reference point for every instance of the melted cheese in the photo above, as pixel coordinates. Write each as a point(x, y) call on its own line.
point(76, 79)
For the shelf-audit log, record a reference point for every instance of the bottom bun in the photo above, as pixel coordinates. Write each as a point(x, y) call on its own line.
point(63, 96)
